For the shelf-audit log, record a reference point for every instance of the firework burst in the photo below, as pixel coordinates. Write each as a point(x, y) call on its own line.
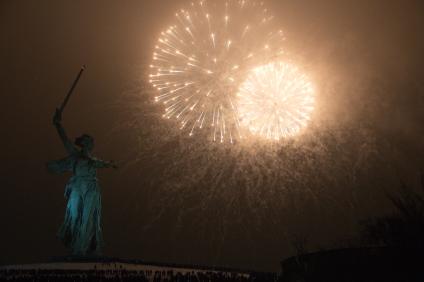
point(276, 101)
point(200, 61)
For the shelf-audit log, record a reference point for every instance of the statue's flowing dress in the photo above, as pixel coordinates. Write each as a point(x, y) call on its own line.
point(81, 230)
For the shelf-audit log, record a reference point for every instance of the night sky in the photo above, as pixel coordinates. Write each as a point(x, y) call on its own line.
point(188, 200)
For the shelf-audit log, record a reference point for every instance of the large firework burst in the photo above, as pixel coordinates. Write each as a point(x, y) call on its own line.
point(200, 61)
point(275, 101)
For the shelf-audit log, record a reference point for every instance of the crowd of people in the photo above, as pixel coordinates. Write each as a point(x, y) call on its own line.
point(122, 274)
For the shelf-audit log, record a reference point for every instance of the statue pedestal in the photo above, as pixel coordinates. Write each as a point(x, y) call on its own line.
point(109, 269)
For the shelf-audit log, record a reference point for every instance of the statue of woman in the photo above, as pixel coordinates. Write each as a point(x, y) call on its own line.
point(81, 230)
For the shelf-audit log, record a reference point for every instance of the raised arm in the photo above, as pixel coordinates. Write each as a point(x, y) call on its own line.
point(70, 148)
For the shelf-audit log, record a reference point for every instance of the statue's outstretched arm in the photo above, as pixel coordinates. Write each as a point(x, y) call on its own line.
point(61, 131)
point(105, 164)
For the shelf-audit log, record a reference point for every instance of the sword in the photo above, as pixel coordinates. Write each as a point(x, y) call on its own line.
point(62, 107)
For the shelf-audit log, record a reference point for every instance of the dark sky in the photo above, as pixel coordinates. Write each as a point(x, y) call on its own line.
point(181, 200)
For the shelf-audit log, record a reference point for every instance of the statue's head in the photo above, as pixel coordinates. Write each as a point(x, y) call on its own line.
point(85, 141)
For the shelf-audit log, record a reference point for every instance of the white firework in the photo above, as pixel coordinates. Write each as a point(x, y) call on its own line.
point(276, 101)
point(200, 61)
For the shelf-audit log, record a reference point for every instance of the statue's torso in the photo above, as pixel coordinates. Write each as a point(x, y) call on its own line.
point(84, 177)
point(84, 167)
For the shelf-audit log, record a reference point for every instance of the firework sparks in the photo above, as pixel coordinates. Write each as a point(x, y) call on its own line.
point(200, 61)
point(276, 101)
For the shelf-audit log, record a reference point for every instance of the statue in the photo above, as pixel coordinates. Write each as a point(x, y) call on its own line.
point(81, 230)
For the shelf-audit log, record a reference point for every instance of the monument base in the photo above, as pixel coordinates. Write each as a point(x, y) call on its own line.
point(74, 268)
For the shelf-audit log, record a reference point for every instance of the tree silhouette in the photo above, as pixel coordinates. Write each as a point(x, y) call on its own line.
point(403, 228)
